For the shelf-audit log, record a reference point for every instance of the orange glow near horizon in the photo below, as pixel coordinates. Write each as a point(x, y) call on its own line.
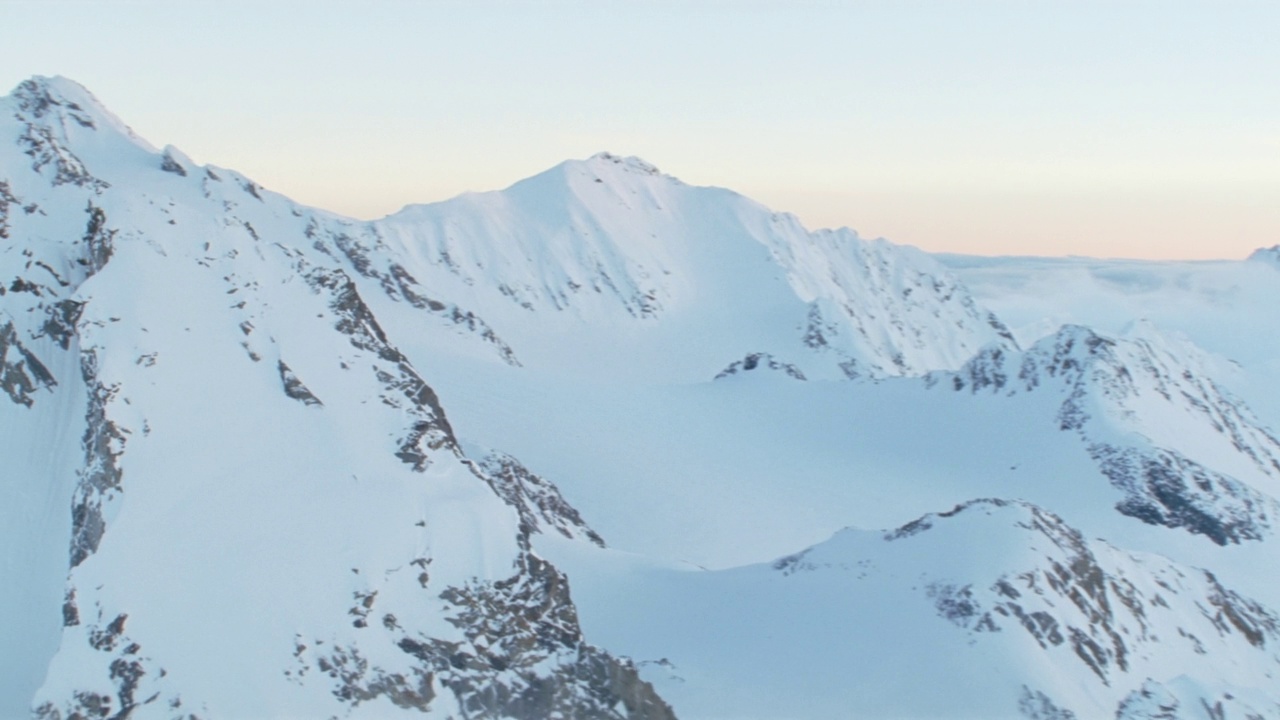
point(1136, 129)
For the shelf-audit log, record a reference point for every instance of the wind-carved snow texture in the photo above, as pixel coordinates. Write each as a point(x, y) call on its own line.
point(1136, 386)
point(755, 361)
point(541, 506)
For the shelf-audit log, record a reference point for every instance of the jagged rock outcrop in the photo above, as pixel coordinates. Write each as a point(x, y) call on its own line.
point(541, 506)
point(1162, 487)
point(521, 655)
point(21, 373)
point(763, 361)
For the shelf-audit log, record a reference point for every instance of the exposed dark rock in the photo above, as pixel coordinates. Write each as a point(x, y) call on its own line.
point(252, 188)
point(523, 657)
point(1156, 701)
point(60, 325)
point(294, 388)
point(170, 164)
point(1001, 329)
point(48, 150)
point(22, 285)
point(100, 478)
point(98, 239)
point(21, 373)
point(1150, 702)
point(7, 198)
point(430, 430)
point(36, 99)
point(1233, 612)
point(1164, 488)
point(818, 330)
point(70, 611)
point(955, 603)
point(760, 360)
point(536, 499)
point(399, 285)
point(125, 668)
point(1035, 705)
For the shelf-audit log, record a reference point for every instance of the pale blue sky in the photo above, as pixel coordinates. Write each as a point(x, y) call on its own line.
point(1139, 129)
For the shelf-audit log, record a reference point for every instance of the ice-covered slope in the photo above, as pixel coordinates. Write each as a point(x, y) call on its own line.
point(247, 499)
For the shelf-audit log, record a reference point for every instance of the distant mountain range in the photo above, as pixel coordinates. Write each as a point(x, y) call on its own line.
point(607, 445)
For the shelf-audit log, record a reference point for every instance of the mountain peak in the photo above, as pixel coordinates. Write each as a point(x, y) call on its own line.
point(60, 100)
point(630, 163)
point(41, 96)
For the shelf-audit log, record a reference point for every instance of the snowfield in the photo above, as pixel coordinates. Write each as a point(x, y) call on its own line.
point(607, 445)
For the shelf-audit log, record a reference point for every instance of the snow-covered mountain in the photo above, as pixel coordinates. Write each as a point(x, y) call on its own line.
point(264, 510)
point(623, 267)
point(556, 450)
